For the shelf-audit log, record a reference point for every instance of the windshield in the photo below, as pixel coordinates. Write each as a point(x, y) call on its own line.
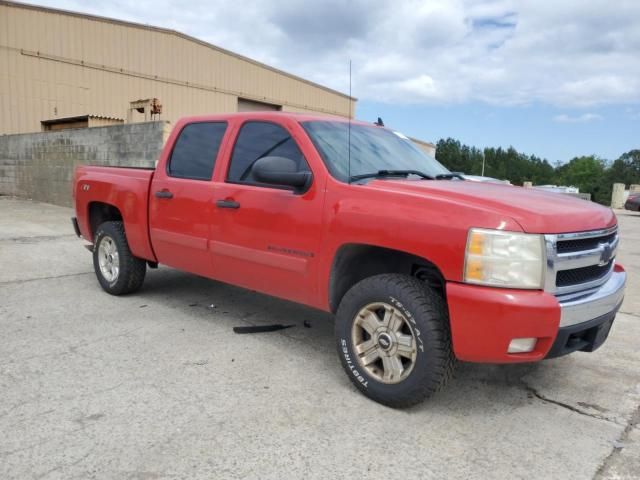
point(372, 149)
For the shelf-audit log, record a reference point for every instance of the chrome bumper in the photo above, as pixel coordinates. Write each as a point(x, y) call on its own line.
point(607, 298)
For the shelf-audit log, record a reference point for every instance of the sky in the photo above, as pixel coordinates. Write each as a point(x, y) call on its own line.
point(557, 79)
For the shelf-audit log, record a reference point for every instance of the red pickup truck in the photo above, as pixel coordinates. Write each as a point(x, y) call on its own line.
point(420, 267)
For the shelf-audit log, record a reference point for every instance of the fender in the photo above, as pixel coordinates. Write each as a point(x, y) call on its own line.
point(124, 189)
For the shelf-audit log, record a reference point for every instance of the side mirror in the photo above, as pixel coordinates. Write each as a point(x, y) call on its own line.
point(280, 171)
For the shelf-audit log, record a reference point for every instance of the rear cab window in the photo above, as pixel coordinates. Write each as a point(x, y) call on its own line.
point(195, 150)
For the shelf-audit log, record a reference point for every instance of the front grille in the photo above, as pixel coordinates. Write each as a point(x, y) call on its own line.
point(565, 278)
point(573, 260)
point(580, 244)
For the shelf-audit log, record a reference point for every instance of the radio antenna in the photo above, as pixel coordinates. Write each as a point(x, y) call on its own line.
point(349, 130)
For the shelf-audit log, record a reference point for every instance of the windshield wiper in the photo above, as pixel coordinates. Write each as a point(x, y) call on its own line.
point(390, 173)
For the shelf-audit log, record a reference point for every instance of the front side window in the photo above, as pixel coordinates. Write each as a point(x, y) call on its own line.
point(369, 150)
point(195, 151)
point(262, 139)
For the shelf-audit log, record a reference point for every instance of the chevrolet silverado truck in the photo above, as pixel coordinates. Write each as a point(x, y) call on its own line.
point(420, 268)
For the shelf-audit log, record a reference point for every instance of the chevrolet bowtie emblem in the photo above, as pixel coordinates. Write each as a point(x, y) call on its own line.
point(606, 254)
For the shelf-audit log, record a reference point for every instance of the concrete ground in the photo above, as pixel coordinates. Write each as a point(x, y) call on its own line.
point(156, 385)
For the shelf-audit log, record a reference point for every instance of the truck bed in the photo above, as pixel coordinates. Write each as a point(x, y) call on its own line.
point(127, 189)
point(150, 169)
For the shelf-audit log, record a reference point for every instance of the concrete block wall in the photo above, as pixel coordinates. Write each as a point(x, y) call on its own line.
point(40, 165)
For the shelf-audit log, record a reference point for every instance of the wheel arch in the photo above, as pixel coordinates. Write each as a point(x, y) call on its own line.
point(354, 262)
point(100, 212)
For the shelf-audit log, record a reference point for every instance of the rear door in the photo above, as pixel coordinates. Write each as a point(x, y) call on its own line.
point(181, 208)
point(267, 237)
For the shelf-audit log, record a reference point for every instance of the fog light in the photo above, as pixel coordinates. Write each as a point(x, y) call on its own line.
point(522, 345)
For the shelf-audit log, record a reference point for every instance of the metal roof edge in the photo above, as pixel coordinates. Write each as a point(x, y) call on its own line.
point(29, 6)
point(78, 118)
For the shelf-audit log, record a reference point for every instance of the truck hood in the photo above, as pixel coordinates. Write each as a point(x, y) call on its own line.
point(536, 211)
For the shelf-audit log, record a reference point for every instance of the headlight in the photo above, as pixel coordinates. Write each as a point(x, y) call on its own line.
point(504, 259)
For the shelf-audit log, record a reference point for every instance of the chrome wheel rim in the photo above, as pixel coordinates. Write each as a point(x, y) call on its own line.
point(108, 259)
point(384, 342)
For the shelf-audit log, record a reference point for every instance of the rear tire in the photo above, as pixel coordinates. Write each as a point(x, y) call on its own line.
point(393, 339)
point(117, 269)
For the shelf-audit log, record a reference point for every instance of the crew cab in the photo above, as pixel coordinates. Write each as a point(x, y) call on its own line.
point(420, 267)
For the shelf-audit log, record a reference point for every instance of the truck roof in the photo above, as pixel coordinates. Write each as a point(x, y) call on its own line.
point(266, 115)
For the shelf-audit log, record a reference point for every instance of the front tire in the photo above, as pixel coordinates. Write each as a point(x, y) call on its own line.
point(393, 339)
point(118, 270)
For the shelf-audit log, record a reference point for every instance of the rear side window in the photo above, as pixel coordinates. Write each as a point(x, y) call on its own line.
point(194, 154)
point(262, 139)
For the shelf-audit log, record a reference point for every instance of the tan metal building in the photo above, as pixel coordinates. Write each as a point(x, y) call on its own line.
point(427, 147)
point(59, 68)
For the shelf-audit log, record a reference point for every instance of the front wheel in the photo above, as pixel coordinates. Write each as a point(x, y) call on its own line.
point(394, 340)
point(118, 271)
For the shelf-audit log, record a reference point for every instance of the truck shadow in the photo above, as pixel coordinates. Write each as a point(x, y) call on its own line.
point(473, 388)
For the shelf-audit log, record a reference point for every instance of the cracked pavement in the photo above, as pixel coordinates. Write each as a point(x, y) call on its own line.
point(156, 385)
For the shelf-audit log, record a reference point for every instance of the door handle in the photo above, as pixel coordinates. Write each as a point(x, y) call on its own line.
point(227, 204)
point(164, 194)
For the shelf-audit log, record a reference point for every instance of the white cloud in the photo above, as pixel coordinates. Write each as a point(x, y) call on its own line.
point(584, 118)
point(568, 53)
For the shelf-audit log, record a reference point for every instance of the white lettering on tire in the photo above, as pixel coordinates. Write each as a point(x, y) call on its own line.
point(412, 322)
point(352, 367)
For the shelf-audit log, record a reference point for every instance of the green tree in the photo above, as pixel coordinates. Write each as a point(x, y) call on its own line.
point(448, 153)
point(626, 169)
point(459, 158)
point(586, 173)
point(589, 173)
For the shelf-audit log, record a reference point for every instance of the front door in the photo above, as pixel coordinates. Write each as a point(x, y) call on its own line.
point(266, 238)
point(181, 208)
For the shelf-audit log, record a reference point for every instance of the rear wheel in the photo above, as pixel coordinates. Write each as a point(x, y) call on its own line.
point(393, 339)
point(118, 270)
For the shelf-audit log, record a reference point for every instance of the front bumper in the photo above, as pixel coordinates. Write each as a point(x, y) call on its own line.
point(580, 308)
point(585, 337)
point(484, 320)
point(585, 320)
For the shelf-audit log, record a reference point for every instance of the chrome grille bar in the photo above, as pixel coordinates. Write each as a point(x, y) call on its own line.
point(602, 254)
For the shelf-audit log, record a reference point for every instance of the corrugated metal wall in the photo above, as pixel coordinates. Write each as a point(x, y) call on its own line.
point(56, 64)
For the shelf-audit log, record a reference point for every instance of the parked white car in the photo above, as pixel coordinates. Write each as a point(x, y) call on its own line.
point(478, 178)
